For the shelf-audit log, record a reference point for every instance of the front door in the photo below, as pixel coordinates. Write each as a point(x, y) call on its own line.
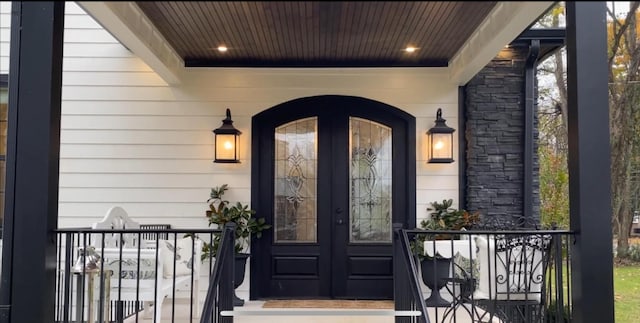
point(331, 174)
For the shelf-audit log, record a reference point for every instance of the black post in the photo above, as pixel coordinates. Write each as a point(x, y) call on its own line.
point(589, 162)
point(33, 150)
point(226, 289)
point(462, 147)
point(68, 253)
point(529, 118)
point(401, 285)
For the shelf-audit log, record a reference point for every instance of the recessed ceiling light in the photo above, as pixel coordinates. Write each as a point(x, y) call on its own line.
point(222, 48)
point(410, 49)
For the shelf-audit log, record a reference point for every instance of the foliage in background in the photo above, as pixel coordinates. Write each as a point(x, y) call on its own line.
point(624, 109)
point(552, 125)
point(552, 152)
point(554, 184)
point(632, 253)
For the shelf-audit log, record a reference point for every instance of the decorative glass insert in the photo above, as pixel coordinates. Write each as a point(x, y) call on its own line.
point(296, 187)
point(370, 181)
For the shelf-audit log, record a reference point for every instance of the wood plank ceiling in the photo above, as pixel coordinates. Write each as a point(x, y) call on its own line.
point(316, 33)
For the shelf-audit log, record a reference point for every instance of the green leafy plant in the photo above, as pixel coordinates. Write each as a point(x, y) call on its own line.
point(443, 217)
point(221, 212)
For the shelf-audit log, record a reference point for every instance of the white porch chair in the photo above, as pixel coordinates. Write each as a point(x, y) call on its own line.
point(140, 271)
point(511, 278)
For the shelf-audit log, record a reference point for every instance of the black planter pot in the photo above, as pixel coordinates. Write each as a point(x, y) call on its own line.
point(435, 271)
point(238, 276)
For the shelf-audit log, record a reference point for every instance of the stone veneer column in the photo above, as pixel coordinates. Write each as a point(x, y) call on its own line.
point(495, 103)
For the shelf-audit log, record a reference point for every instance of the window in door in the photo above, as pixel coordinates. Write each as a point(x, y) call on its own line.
point(370, 181)
point(296, 182)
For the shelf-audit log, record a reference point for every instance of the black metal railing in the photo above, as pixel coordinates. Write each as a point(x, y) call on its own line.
point(129, 308)
point(110, 275)
point(515, 276)
point(407, 293)
point(220, 292)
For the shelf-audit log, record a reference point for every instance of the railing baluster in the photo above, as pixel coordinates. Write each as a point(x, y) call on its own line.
point(67, 276)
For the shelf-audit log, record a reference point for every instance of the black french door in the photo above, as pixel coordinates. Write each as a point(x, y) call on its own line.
point(331, 174)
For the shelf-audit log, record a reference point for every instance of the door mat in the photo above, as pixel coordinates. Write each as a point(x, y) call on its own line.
point(328, 303)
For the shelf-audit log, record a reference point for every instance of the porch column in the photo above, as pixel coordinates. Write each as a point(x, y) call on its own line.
point(33, 150)
point(589, 162)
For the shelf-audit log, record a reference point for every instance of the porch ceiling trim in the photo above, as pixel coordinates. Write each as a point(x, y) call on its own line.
point(131, 27)
point(508, 20)
point(127, 23)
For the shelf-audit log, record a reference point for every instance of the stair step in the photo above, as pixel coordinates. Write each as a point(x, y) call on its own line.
point(319, 312)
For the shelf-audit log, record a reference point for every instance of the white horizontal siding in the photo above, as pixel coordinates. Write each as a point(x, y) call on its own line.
point(150, 122)
point(80, 50)
point(145, 195)
point(148, 166)
point(87, 36)
point(104, 63)
point(141, 212)
point(108, 78)
point(151, 181)
point(117, 106)
point(136, 151)
point(5, 35)
point(5, 11)
point(146, 137)
point(75, 18)
point(4, 64)
point(129, 139)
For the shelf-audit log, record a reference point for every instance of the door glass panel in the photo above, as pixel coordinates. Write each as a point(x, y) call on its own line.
point(295, 211)
point(370, 181)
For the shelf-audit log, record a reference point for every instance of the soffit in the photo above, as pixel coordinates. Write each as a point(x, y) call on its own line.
point(316, 33)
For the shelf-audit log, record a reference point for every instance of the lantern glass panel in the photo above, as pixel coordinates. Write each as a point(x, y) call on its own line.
point(226, 147)
point(441, 146)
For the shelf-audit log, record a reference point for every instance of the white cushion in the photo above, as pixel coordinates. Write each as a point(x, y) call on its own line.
point(491, 267)
point(183, 257)
point(484, 281)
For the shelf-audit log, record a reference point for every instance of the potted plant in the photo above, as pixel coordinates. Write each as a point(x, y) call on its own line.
point(221, 212)
point(436, 269)
point(443, 217)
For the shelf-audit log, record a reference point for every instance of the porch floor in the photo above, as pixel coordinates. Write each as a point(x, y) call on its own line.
point(181, 315)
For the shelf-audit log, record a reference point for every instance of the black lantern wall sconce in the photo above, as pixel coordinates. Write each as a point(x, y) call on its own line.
point(227, 142)
point(440, 141)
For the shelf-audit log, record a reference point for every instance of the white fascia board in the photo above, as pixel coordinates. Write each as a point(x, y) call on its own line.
point(127, 23)
point(507, 20)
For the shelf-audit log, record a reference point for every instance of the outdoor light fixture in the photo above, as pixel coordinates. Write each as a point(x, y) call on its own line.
point(227, 142)
point(440, 141)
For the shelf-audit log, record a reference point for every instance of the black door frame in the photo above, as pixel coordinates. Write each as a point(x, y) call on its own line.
point(290, 111)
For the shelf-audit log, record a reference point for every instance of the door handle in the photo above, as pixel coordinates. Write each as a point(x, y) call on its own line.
point(339, 220)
